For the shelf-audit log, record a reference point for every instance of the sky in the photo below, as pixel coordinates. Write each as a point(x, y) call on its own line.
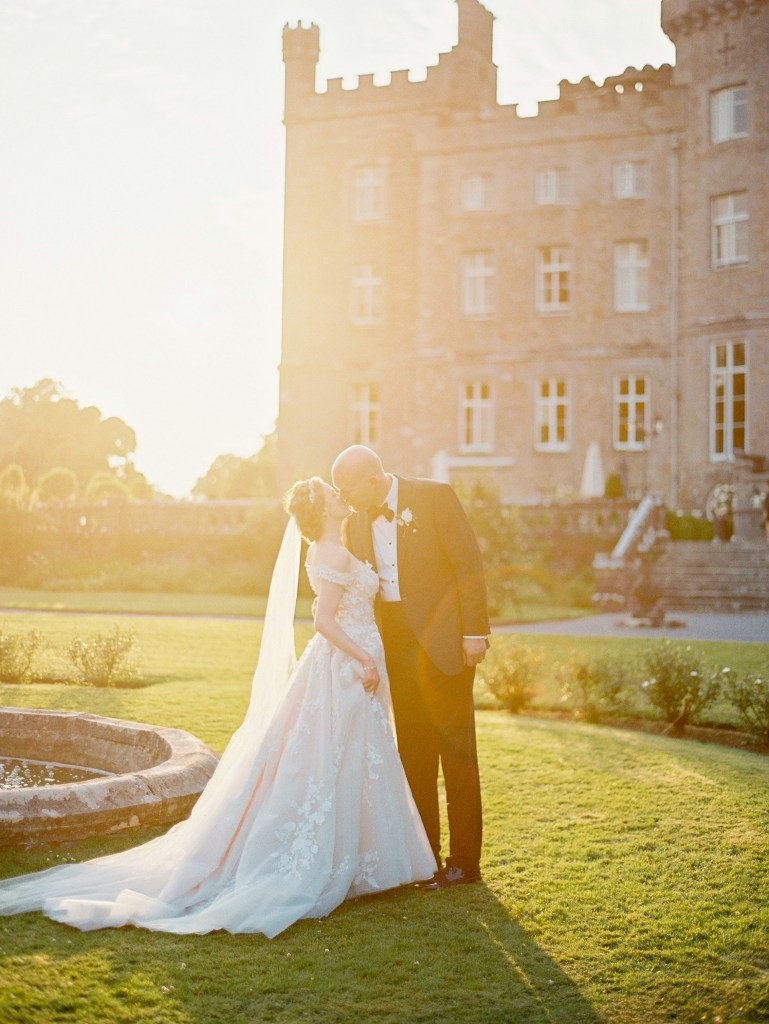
point(141, 175)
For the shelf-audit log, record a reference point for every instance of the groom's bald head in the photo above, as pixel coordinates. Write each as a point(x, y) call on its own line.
point(357, 460)
point(359, 476)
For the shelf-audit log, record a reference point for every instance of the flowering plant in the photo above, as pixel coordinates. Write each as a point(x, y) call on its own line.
point(750, 695)
point(722, 502)
point(678, 683)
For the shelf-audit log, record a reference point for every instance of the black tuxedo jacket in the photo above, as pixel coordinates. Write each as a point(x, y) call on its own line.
point(440, 571)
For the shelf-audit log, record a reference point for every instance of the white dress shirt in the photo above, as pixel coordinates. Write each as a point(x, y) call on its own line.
point(385, 538)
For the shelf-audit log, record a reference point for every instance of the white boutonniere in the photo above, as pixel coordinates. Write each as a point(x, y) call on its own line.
point(406, 518)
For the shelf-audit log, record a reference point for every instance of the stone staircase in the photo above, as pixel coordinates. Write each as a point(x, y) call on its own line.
point(724, 577)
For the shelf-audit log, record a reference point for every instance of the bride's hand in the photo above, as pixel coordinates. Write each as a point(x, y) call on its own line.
point(370, 677)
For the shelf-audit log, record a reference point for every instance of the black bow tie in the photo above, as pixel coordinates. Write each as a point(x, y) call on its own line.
point(381, 510)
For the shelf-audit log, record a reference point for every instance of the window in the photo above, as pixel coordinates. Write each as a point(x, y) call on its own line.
point(729, 229)
point(631, 277)
point(630, 179)
point(477, 284)
point(631, 413)
point(366, 295)
point(368, 193)
point(553, 185)
point(366, 414)
point(475, 192)
point(476, 417)
point(728, 114)
point(728, 399)
point(551, 413)
point(553, 270)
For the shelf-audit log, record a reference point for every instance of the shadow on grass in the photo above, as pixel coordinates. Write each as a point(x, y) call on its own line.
point(457, 957)
point(538, 989)
point(481, 966)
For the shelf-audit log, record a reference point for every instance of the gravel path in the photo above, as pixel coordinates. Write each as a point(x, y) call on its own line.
point(749, 627)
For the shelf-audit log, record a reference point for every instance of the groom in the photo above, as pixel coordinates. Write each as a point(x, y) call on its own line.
point(434, 622)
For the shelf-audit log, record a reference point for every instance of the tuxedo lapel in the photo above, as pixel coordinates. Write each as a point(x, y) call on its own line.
point(405, 534)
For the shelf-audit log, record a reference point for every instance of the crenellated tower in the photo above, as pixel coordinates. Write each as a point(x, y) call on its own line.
point(464, 80)
point(716, 39)
point(475, 27)
point(474, 72)
point(301, 50)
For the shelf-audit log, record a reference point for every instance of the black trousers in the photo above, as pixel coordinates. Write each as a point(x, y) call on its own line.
point(435, 722)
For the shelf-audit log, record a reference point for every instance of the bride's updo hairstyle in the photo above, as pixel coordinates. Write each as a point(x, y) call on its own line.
point(306, 502)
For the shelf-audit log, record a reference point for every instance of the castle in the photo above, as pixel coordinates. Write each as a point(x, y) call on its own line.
point(472, 292)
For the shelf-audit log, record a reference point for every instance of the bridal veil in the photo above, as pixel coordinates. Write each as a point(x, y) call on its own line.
point(181, 860)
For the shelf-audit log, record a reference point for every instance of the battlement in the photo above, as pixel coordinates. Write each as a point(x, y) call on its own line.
point(432, 87)
point(393, 81)
point(682, 17)
point(647, 82)
point(463, 79)
point(631, 80)
point(301, 42)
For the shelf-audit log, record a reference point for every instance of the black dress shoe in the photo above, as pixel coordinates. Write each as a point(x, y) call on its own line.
point(448, 877)
point(425, 882)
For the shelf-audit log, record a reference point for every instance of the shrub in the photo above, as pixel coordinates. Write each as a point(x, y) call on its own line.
point(749, 694)
point(57, 485)
point(614, 488)
point(13, 485)
point(677, 683)
point(688, 526)
point(575, 592)
point(17, 655)
point(513, 680)
point(497, 526)
point(102, 659)
point(20, 532)
point(106, 486)
point(595, 686)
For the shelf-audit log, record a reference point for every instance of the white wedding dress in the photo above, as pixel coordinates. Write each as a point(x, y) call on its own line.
point(309, 805)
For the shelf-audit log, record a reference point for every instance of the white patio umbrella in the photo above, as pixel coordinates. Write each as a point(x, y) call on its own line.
point(592, 485)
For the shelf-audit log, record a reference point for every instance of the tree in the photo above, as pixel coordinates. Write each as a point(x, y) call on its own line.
point(139, 487)
point(14, 489)
point(42, 428)
point(105, 486)
point(231, 476)
point(18, 530)
point(57, 485)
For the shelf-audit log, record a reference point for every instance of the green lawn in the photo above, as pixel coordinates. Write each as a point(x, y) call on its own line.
point(134, 602)
point(213, 659)
point(199, 670)
point(626, 880)
point(226, 605)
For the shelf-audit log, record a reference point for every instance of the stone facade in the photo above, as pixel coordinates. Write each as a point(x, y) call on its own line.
point(470, 291)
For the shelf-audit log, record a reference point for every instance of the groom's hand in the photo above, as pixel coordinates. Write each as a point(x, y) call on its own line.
point(474, 649)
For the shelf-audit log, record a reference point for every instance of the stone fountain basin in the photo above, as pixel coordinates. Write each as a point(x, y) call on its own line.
point(159, 774)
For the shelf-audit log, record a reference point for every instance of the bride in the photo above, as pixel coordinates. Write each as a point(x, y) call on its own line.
point(308, 805)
